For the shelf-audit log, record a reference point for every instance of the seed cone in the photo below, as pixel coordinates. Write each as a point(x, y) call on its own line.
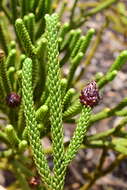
point(13, 100)
point(90, 95)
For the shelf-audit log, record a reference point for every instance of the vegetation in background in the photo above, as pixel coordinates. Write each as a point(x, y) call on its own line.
point(36, 98)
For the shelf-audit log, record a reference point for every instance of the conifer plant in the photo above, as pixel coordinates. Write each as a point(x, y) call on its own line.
point(36, 99)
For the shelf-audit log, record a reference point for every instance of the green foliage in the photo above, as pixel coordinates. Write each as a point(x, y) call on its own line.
point(32, 63)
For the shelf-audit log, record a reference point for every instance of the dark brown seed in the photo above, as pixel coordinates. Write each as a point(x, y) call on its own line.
point(34, 181)
point(13, 100)
point(90, 95)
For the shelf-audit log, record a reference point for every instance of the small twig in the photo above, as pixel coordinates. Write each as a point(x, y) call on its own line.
point(101, 173)
point(73, 11)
